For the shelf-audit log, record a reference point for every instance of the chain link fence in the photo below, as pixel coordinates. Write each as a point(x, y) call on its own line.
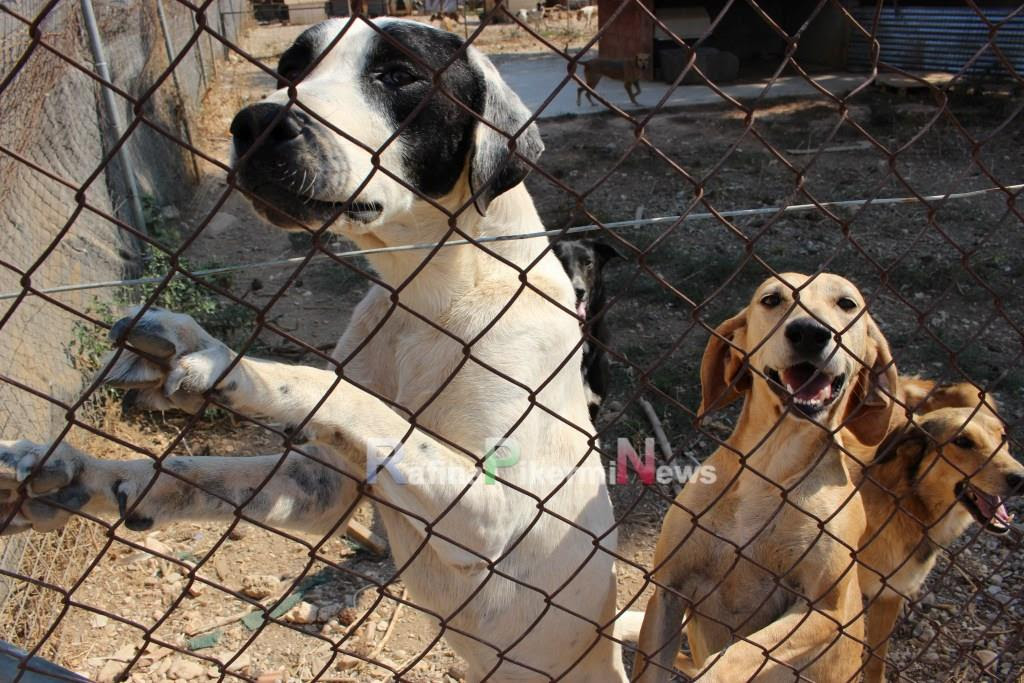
point(814, 530)
point(60, 190)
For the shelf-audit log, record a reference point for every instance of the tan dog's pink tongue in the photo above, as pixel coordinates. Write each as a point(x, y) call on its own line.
point(1003, 516)
point(807, 383)
point(991, 507)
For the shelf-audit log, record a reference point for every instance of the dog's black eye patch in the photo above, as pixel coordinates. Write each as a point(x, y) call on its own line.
point(402, 64)
point(397, 76)
point(293, 63)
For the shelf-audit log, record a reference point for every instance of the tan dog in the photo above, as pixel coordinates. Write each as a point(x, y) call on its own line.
point(931, 479)
point(629, 71)
point(754, 570)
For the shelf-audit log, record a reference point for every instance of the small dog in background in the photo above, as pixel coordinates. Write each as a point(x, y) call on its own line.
point(629, 71)
point(584, 261)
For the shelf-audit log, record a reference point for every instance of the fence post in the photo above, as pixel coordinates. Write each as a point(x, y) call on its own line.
point(223, 31)
point(199, 51)
point(183, 114)
point(113, 115)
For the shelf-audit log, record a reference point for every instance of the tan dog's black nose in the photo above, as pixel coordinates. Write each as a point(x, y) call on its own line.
point(809, 338)
point(1016, 483)
point(252, 122)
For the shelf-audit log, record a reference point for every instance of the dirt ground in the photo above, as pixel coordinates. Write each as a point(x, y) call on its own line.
point(942, 281)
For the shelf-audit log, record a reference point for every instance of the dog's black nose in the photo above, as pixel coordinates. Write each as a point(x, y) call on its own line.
point(807, 336)
point(1016, 483)
point(250, 123)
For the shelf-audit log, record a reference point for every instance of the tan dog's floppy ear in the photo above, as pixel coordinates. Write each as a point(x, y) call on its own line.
point(722, 374)
point(909, 443)
point(870, 406)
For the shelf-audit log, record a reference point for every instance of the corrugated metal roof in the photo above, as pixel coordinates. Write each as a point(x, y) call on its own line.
point(940, 39)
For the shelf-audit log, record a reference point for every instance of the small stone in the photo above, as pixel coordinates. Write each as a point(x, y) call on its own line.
point(260, 586)
point(348, 616)
point(924, 632)
point(271, 677)
point(239, 531)
point(328, 611)
point(172, 590)
point(98, 620)
point(185, 670)
point(124, 654)
point(986, 657)
point(382, 625)
point(162, 667)
point(302, 613)
point(156, 546)
point(110, 671)
point(241, 664)
point(345, 662)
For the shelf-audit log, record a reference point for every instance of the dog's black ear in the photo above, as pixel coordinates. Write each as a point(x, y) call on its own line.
point(605, 253)
point(503, 150)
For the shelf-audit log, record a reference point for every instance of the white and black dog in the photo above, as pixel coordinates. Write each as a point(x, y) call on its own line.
point(377, 135)
point(584, 261)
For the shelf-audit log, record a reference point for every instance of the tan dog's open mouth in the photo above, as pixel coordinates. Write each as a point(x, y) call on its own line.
point(988, 509)
point(811, 389)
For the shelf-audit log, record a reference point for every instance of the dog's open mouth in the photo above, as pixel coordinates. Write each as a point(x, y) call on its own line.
point(986, 508)
point(581, 310)
point(811, 389)
point(313, 212)
point(286, 209)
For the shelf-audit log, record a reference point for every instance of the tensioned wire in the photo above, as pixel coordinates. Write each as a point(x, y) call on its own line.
point(736, 213)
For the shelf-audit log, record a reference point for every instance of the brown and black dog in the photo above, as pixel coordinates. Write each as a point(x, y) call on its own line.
point(932, 477)
point(629, 71)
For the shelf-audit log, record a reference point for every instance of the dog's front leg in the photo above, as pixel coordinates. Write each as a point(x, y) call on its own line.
point(882, 614)
point(183, 363)
point(817, 643)
point(660, 636)
point(287, 491)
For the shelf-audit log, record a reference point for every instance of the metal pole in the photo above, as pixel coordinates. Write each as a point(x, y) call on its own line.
point(113, 115)
point(223, 33)
point(199, 52)
point(182, 111)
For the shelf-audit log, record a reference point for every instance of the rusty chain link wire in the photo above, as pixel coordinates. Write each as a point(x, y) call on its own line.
point(933, 639)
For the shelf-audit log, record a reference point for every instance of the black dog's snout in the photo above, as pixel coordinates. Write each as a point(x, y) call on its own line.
point(1016, 483)
point(250, 123)
point(807, 336)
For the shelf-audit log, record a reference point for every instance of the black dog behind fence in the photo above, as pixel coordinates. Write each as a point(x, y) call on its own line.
point(855, 519)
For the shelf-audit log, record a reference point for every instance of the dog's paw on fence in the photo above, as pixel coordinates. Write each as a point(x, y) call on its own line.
point(168, 359)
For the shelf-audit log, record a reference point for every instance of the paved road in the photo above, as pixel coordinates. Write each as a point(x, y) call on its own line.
point(534, 77)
